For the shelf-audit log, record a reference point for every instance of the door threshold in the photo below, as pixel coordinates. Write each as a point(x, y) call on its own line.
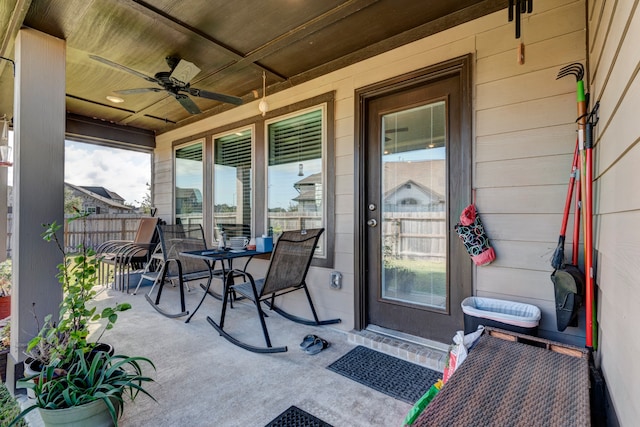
point(409, 338)
point(430, 354)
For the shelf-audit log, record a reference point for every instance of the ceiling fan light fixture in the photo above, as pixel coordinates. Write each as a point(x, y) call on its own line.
point(115, 99)
point(184, 72)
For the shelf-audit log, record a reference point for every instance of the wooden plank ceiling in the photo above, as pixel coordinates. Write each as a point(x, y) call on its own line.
point(232, 42)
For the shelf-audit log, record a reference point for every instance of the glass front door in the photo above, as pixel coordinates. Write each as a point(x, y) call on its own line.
point(416, 166)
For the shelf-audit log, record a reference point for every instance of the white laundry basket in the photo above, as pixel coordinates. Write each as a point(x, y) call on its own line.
point(508, 315)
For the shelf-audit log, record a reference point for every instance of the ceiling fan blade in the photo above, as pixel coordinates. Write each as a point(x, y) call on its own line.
point(138, 90)
point(229, 99)
point(123, 68)
point(187, 103)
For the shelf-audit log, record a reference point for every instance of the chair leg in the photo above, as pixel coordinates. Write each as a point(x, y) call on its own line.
point(265, 332)
point(155, 304)
point(220, 327)
point(314, 322)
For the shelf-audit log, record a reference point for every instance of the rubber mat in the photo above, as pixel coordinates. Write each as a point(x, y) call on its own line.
point(296, 417)
point(394, 377)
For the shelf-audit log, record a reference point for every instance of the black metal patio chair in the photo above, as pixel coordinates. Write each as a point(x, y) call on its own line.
point(290, 261)
point(168, 266)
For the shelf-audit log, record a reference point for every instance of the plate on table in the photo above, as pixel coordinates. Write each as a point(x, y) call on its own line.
point(237, 251)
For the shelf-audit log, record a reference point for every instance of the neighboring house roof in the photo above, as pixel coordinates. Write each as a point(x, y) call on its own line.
point(434, 196)
point(312, 179)
point(427, 173)
point(306, 195)
point(104, 192)
point(307, 188)
point(105, 200)
point(189, 193)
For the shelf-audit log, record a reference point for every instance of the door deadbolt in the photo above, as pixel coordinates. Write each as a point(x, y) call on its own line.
point(372, 207)
point(372, 222)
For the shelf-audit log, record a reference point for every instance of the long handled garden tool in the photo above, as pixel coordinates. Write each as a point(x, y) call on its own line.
point(557, 261)
point(577, 281)
point(568, 280)
point(592, 325)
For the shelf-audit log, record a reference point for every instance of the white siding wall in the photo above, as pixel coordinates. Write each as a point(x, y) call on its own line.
point(614, 32)
point(524, 140)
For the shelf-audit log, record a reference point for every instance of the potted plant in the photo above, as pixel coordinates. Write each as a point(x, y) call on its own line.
point(88, 391)
point(5, 289)
point(74, 372)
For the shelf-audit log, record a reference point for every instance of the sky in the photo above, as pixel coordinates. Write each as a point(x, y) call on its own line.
point(124, 172)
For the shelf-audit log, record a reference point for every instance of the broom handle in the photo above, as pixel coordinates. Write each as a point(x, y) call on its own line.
point(567, 202)
point(592, 327)
point(576, 223)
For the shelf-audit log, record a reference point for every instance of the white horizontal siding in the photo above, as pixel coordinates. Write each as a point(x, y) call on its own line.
point(614, 28)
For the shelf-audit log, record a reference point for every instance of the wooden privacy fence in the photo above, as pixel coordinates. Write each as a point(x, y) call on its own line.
point(100, 228)
point(415, 234)
point(405, 234)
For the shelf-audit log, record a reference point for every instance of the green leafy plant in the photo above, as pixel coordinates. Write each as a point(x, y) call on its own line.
point(5, 278)
point(5, 336)
point(9, 408)
point(77, 273)
point(87, 379)
point(73, 371)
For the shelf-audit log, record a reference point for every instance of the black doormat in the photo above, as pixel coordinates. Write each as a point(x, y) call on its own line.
point(395, 377)
point(296, 417)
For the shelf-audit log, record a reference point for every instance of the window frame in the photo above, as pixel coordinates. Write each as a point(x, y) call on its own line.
point(323, 113)
point(214, 137)
point(176, 147)
point(258, 163)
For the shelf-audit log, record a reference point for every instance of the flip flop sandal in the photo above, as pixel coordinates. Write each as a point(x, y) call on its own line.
point(318, 345)
point(307, 341)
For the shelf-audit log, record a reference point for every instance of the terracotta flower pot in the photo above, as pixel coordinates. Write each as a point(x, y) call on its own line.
point(5, 307)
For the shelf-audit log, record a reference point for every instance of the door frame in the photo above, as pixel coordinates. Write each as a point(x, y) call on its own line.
point(461, 67)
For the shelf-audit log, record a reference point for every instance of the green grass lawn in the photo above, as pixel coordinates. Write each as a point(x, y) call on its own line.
point(420, 276)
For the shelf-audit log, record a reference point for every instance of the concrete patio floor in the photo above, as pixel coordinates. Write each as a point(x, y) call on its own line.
point(203, 380)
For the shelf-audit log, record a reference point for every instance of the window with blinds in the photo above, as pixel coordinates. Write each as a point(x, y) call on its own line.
point(189, 182)
point(232, 183)
point(295, 172)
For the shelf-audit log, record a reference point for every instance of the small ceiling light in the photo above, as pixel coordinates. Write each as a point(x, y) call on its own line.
point(263, 106)
point(300, 172)
point(115, 99)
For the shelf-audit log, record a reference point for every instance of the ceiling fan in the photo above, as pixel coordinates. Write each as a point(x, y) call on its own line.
point(174, 82)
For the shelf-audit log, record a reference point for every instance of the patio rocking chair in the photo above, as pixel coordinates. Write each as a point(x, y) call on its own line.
point(123, 255)
point(168, 266)
point(287, 271)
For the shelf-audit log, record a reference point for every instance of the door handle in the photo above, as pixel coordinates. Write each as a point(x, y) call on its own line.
point(372, 222)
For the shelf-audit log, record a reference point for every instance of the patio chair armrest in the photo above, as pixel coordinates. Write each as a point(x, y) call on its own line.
point(251, 289)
